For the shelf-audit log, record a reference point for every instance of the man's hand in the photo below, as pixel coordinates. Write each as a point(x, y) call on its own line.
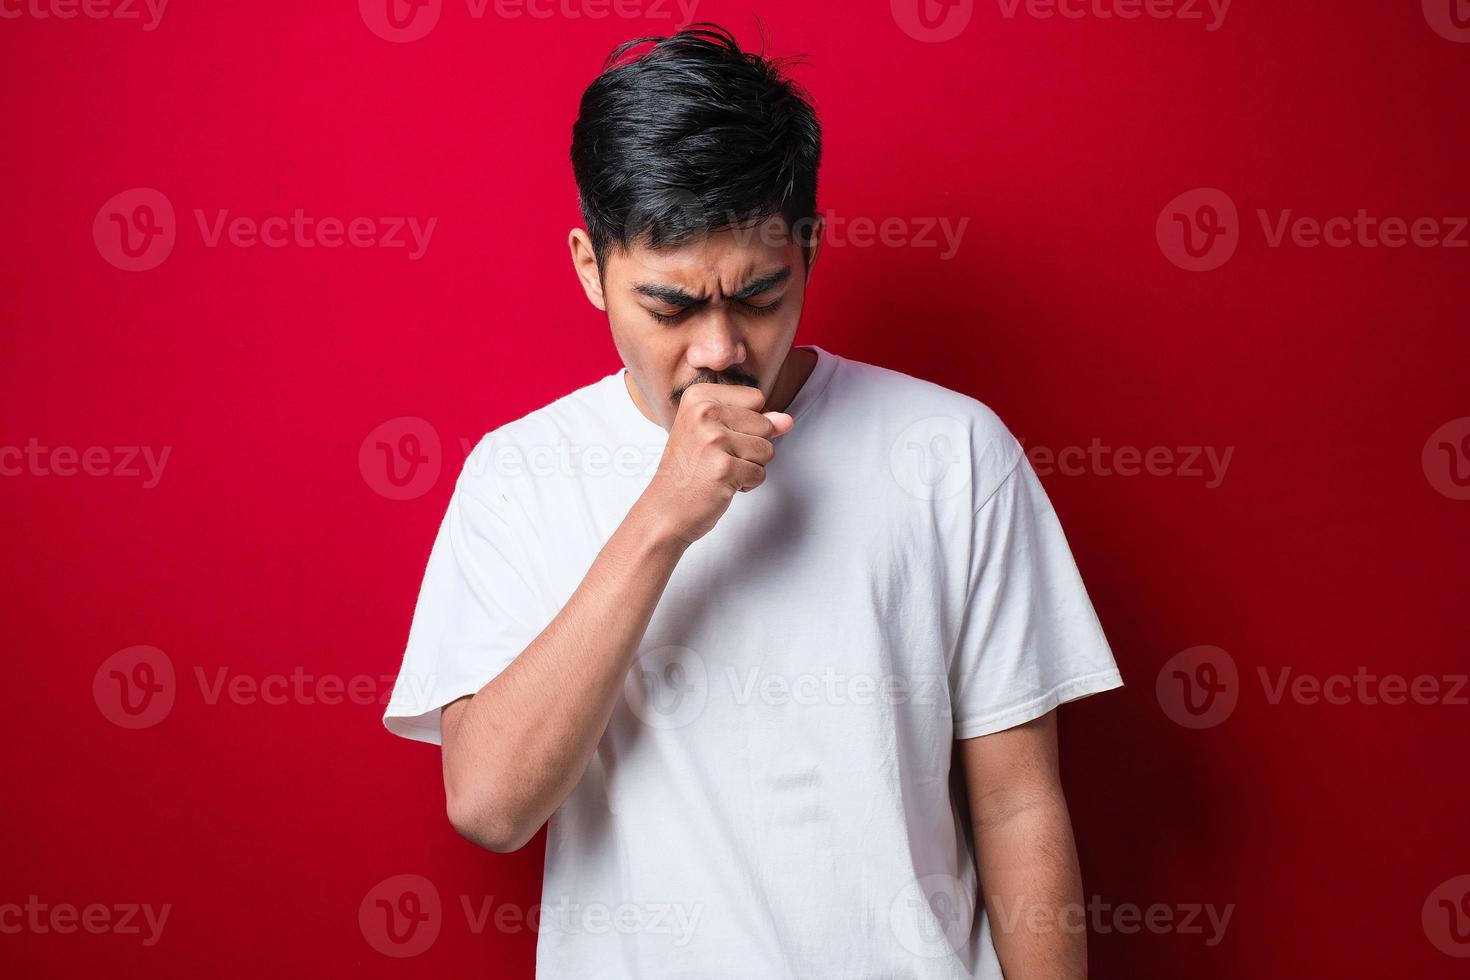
point(720, 443)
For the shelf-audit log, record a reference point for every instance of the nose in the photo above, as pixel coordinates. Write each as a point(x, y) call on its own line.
point(717, 344)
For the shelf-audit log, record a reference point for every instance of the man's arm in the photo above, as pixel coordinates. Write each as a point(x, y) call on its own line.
point(1024, 851)
point(515, 749)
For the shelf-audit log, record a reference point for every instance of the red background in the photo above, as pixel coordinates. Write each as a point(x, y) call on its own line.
point(264, 549)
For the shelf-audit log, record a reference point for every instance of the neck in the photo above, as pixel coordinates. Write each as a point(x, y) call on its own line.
point(798, 366)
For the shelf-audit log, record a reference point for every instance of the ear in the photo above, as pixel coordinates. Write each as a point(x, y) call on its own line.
point(818, 227)
point(584, 263)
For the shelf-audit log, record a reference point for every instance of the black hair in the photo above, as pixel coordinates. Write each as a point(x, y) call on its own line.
point(694, 136)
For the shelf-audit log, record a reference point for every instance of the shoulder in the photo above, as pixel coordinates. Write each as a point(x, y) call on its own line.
point(507, 451)
point(926, 423)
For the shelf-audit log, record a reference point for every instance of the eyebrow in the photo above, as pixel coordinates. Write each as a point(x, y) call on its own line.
point(677, 297)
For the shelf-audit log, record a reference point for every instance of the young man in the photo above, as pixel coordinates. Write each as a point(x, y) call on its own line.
point(771, 637)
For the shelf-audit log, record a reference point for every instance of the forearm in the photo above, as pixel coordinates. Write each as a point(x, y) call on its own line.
point(1032, 887)
point(516, 749)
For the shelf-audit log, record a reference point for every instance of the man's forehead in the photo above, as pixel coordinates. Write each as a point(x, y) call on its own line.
point(725, 262)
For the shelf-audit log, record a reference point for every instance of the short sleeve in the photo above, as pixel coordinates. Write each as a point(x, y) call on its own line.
point(476, 609)
point(1030, 638)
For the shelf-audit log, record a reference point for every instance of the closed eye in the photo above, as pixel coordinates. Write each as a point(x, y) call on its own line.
point(765, 310)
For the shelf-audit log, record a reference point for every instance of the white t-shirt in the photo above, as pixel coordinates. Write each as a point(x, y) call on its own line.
point(773, 795)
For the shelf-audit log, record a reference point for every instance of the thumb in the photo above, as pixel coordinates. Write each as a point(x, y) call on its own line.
point(781, 421)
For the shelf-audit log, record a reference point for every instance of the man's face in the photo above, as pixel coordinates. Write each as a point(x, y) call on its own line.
point(723, 308)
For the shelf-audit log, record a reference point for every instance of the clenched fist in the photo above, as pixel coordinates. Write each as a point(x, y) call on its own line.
point(720, 443)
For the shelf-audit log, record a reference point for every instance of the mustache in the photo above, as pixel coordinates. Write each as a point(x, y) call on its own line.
point(729, 376)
